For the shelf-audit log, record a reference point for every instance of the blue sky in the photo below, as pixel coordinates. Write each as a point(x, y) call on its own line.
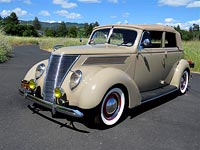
point(167, 12)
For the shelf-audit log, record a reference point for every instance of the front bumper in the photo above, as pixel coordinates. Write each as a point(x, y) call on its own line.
point(54, 107)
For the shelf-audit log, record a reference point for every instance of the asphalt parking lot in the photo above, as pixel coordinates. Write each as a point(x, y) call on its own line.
point(169, 123)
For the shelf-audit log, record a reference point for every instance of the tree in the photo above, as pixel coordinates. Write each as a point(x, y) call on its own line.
point(89, 28)
point(1, 21)
point(86, 26)
point(61, 30)
point(72, 32)
point(29, 31)
point(96, 24)
point(192, 34)
point(49, 32)
point(196, 27)
point(12, 19)
point(36, 24)
point(12, 26)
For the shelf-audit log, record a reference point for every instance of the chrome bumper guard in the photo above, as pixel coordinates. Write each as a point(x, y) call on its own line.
point(52, 106)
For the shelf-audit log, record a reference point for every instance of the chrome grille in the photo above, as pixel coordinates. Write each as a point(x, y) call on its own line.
point(58, 67)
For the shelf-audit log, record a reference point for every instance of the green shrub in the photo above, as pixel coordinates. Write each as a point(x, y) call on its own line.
point(5, 48)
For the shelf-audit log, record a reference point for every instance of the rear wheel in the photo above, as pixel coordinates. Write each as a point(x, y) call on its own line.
point(184, 82)
point(112, 107)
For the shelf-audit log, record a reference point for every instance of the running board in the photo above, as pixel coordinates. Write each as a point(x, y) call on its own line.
point(154, 94)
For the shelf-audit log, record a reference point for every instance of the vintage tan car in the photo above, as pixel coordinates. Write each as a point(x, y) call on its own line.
point(121, 67)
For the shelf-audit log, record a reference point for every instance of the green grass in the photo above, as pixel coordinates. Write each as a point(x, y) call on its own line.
point(49, 43)
point(17, 41)
point(45, 43)
point(192, 52)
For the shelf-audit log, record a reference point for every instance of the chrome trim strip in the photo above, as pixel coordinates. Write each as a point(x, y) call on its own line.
point(54, 107)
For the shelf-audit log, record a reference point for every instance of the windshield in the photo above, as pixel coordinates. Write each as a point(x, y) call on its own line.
point(119, 37)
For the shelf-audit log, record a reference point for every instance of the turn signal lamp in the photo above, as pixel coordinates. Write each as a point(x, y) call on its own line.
point(32, 84)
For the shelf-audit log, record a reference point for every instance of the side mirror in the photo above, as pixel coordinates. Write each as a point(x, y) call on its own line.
point(57, 47)
point(146, 42)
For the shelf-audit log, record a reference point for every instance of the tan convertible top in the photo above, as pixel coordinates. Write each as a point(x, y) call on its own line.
point(149, 27)
point(155, 27)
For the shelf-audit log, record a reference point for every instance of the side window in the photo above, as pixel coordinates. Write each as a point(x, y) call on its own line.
point(170, 39)
point(154, 37)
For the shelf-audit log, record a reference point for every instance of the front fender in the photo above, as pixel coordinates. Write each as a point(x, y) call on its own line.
point(31, 73)
point(94, 86)
point(182, 66)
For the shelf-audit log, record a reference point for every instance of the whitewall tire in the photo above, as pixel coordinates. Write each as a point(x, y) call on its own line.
point(184, 82)
point(112, 106)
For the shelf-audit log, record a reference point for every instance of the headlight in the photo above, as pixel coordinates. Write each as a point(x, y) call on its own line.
point(39, 70)
point(75, 79)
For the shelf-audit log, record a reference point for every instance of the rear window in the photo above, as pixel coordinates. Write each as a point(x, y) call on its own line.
point(170, 39)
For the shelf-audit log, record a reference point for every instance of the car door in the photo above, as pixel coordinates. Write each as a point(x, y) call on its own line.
point(150, 63)
point(172, 56)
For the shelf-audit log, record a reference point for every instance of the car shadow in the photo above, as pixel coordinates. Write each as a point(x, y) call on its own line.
point(151, 105)
point(36, 109)
point(131, 113)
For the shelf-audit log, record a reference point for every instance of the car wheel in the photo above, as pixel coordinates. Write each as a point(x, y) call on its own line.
point(112, 107)
point(184, 82)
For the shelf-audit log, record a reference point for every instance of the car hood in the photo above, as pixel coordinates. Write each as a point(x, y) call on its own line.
point(93, 49)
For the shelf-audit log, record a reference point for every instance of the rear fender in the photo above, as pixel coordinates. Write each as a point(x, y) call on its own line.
point(181, 67)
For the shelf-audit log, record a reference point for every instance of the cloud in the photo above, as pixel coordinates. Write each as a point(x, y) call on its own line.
point(113, 1)
point(68, 15)
point(113, 16)
point(90, 1)
point(27, 2)
point(44, 13)
point(52, 21)
point(19, 12)
point(174, 3)
point(170, 20)
point(193, 4)
point(183, 25)
point(64, 3)
point(5, 1)
point(125, 15)
point(124, 22)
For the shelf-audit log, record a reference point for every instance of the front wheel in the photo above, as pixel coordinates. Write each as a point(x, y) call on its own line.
point(184, 82)
point(112, 107)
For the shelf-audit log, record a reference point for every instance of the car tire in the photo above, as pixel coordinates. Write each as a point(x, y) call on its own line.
point(111, 108)
point(184, 82)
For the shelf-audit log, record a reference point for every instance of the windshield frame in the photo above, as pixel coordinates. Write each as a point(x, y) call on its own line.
point(108, 35)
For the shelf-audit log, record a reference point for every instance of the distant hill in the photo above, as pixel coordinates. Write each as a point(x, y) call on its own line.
point(53, 25)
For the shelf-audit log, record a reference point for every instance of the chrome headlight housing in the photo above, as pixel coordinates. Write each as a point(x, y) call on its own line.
point(75, 79)
point(39, 70)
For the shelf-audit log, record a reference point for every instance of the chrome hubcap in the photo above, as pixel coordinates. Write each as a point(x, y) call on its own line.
point(183, 81)
point(111, 106)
